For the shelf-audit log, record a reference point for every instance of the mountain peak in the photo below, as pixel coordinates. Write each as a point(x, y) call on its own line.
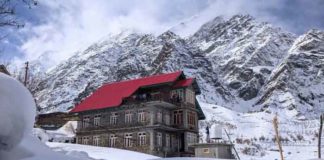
point(168, 35)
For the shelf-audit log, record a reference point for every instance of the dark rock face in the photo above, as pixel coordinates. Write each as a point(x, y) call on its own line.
point(236, 60)
point(248, 93)
point(235, 85)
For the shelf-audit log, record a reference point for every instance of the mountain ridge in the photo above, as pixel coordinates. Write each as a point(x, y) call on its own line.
point(234, 61)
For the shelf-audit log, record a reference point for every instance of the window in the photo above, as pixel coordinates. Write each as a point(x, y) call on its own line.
point(190, 96)
point(191, 138)
point(142, 138)
point(178, 117)
point(128, 116)
point(174, 141)
point(141, 116)
point(128, 140)
point(167, 119)
point(167, 140)
point(96, 120)
point(112, 140)
point(85, 140)
point(86, 121)
point(177, 95)
point(113, 118)
point(159, 116)
point(96, 140)
point(191, 116)
point(159, 139)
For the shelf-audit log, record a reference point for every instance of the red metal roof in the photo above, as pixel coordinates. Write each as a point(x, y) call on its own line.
point(112, 94)
point(184, 83)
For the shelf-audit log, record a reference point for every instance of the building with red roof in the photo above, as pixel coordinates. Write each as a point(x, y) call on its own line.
point(157, 115)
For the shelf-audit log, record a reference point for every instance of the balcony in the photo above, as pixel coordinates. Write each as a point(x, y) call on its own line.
point(161, 100)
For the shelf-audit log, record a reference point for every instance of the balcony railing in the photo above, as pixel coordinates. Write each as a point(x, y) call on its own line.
point(147, 97)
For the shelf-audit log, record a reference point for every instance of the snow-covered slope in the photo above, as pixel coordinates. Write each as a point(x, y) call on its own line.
point(298, 82)
point(236, 61)
point(253, 133)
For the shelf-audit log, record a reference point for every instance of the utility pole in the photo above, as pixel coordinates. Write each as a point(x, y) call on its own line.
point(275, 124)
point(229, 138)
point(26, 73)
point(320, 136)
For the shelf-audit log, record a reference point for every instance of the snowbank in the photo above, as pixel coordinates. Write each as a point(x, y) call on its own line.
point(17, 112)
point(64, 134)
point(17, 116)
point(103, 153)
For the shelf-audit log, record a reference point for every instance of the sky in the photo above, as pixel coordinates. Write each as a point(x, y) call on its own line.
point(56, 29)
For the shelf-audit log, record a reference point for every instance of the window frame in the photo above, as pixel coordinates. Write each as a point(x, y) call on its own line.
point(128, 140)
point(179, 92)
point(113, 118)
point(112, 140)
point(178, 117)
point(141, 116)
point(128, 116)
point(86, 122)
point(167, 140)
point(85, 140)
point(159, 116)
point(96, 120)
point(159, 139)
point(141, 138)
point(96, 140)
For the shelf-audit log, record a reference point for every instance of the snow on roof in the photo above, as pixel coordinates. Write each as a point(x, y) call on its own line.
point(112, 94)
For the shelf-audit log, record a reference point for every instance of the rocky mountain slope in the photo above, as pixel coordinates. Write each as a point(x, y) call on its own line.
point(298, 82)
point(240, 63)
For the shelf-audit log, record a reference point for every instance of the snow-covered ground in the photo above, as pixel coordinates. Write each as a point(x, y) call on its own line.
point(257, 124)
point(290, 153)
point(256, 132)
point(103, 153)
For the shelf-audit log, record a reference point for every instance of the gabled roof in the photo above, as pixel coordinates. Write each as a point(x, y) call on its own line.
point(112, 94)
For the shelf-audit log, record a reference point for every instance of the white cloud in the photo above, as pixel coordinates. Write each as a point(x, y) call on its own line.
point(65, 27)
point(69, 26)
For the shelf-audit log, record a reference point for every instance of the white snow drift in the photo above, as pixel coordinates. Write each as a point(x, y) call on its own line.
point(17, 112)
point(17, 115)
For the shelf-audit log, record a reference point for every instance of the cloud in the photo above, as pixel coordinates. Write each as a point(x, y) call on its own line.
point(63, 27)
point(68, 26)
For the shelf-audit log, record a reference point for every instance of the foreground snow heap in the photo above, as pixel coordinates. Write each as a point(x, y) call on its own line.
point(17, 115)
point(17, 112)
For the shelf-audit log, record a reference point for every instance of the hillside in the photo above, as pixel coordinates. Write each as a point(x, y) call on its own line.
point(238, 63)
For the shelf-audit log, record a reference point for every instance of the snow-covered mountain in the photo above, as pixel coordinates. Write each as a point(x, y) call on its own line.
point(240, 64)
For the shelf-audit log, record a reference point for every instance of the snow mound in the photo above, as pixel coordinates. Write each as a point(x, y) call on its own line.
point(17, 112)
point(64, 134)
point(103, 153)
point(17, 116)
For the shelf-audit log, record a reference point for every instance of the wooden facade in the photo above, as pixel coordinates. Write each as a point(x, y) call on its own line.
point(159, 119)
